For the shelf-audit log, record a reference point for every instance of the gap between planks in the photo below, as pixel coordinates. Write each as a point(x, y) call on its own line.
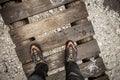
point(98, 68)
point(2, 1)
point(87, 50)
point(56, 21)
point(104, 77)
point(23, 10)
point(58, 39)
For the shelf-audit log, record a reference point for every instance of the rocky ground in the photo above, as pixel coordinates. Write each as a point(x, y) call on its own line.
point(105, 18)
point(10, 66)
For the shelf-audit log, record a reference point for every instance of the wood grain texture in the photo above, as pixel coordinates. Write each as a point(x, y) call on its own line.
point(89, 49)
point(105, 77)
point(2, 1)
point(93, 68)
point(84, 71)
point(56, 21)
point(57, 60)
point(98, 69)
point(25, 9)
point(58, 39)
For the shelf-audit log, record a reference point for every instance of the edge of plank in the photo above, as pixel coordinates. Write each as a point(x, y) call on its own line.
point(15, 12)
point(59, 39)
point(53, 22)
point(55, 60)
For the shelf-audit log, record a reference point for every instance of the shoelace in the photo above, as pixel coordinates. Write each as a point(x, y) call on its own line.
point(38, 58)
point(70, 57)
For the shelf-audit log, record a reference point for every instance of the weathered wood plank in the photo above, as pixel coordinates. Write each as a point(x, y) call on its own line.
point(2, 1)
point(25, 9)
point(52, 41)
point(105, 77)
point(50, 23)
point(18, 24)
point(93, 68)
point(88, 69)
point(58, 76)
point(89, 49)
point(57, 60)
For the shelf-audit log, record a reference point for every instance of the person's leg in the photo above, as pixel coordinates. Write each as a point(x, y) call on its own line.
point(73, 71)
point(41, 68)
point(71, 67)
point(40, 72)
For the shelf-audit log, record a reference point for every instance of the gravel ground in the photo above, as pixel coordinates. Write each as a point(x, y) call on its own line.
point(106, 22)
point(10, 66)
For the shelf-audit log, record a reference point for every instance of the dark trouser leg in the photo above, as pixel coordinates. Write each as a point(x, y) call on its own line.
point(73, 71)
point(40, 72)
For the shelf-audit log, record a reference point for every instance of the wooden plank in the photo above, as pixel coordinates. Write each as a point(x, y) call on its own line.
point(2, 1)
point(105, 77)
point(93, 68)
point(58, 76)
point(84, 27)
point(19, 24)
point(56, 40)
point(15, 12)
point(50, 23)
point(89, 49)
point(57, 60)
point(88, 69)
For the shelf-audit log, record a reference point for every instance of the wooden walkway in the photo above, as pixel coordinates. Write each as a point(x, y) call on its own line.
point(81, 32)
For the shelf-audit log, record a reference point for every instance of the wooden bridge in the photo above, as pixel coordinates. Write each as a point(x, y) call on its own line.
point(81, 31)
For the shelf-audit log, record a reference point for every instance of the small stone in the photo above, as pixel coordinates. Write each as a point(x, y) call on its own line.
point(59, 29)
